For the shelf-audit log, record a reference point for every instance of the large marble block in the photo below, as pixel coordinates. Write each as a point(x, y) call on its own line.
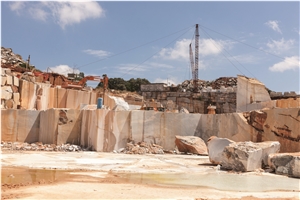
point(248, 156)
point(172, 124)
point(95, 126)
point(241, 156)
point(215, 148)
point(60, 98)
point(9, 128)
point(60, 126)
point(118, 136)
point(6, 92)
point(69, 126)
point(27, 92)
point(43, 96)
point(48, 126)
point(28, 126)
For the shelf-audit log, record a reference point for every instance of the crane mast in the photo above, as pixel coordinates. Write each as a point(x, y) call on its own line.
point(196, 52)
point(192, 62)
point(195, 63)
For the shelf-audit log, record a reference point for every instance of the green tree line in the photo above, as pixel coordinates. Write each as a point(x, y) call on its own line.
point(132, 85)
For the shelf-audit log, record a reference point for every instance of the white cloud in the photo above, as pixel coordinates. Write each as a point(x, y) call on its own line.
point(17, 6)
point(38, 13)
point(169, 81)
point(64, 70)
point(97, 53)
point(273, 25)
point(280, 45)
point(180, 51)
point(63, 13)
point(289, 63)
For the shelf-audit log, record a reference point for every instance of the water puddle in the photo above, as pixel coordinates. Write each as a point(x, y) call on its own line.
point(244, 182)
point(10, 175)
point(219, 181)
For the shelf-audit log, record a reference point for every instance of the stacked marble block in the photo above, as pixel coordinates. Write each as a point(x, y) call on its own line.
point(10, 96)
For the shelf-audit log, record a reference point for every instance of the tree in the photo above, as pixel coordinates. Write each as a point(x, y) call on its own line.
point(133, 85)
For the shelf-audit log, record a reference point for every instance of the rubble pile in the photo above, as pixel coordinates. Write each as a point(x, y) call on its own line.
point(222, 82)
point(13, 61)
point(38, 146)
point(8, 58)
point(142, 148)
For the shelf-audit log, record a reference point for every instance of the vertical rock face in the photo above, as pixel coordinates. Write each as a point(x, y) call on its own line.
point(279, 124)
point(248, 156)
point(283, 125)
point(215, 147)
point(285, 163)
point(190, 144)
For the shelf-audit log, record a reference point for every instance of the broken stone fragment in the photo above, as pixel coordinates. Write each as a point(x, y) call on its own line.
point(285, 163)
point(215, 147)
point(247, 156)
point(191, 144)
point(268, 147)
point(241, 156)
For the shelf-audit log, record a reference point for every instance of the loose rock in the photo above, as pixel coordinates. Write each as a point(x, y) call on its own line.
point(285, 163)
point(247, 156)
point(215, 147)
point(191, 144)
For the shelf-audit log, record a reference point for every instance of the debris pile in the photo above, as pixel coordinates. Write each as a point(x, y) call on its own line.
point(39, 146)
point(188, 85)
point(142, 148)
point(9, 59)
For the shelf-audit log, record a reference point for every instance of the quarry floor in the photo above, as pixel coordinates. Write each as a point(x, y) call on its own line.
point(95, 175)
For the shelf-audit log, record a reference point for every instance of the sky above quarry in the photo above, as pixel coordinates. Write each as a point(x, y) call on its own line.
point(151, 39)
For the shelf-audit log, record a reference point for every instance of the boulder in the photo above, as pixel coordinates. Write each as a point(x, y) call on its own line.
point(215, 147)
point(285, 163)
point(247, 156)
point(191, 144)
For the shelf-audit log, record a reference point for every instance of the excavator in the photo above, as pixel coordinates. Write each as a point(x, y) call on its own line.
point(82, 83)
point(58, 79)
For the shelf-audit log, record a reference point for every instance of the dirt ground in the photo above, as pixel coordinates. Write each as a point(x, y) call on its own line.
point(91, 175)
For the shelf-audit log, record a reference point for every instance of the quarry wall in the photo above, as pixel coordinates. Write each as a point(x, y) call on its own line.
point(24, 94)
point(108, 130)
point(224, 100)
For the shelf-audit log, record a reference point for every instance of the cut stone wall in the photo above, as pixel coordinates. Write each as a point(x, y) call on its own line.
point(288, 103)
point(60, 126)
point(41, 96)
point(20, 125)
point(108, 130)
point(250, 91)
point(225, 102)
point(283, 125)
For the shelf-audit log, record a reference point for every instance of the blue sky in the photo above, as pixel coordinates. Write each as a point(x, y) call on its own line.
point(151, 39)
